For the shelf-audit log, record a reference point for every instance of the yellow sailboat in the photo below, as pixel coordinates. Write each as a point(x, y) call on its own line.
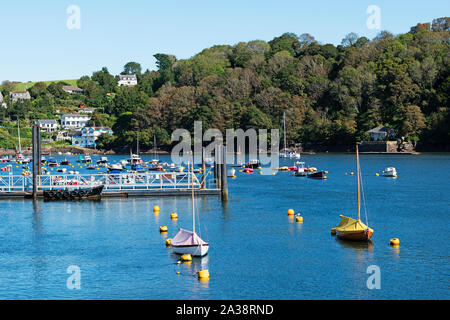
point(352, 229)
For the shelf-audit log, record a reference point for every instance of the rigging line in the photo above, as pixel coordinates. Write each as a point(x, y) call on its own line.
point(364, 198)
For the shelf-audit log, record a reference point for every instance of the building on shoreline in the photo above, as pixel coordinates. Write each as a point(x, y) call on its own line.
point(74, 120)
point(87, 136)
point(47, 125)
point(127, 80)
point(380, 133)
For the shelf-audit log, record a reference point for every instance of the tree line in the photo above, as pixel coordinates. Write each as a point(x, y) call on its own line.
point(331, 95)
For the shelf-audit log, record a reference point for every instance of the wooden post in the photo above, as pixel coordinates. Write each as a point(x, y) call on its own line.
point(39, 149)
point(35, 160)
point(203, 169)
point(224, 182)
point(217, 157)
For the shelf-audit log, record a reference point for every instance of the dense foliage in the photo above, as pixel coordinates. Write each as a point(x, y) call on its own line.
point(331, 94)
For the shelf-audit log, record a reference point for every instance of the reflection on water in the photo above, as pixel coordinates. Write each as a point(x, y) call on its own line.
point(359, 246)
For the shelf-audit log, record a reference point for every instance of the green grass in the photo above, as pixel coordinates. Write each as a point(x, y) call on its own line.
point(21, 86)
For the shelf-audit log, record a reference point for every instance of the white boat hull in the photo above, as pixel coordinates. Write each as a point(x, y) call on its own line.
point(195, 251)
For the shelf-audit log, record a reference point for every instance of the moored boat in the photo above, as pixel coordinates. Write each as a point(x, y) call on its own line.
point(317, 175)
point(301, 170)
point(390, 172)
point(94, 193)
point(65, 162)
point(52, 163)
point(354, 229)
point(188, 242)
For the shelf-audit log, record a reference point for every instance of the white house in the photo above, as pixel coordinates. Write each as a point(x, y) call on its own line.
point(127, 80)
point(2, 103)
point(379, 133)
point(88, 135)
point(47, 125)
point(86, 110)
point(19, 96)
point(74, 120)
point(72, 89)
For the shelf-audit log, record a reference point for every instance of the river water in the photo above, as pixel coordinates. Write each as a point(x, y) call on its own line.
point(256, 251)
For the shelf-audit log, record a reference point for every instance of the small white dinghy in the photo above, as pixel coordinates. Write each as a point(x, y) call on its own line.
point(187, 241)
point(390, 172)
point(231, 173)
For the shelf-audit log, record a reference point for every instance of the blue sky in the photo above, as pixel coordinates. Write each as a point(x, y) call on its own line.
point(117, 31)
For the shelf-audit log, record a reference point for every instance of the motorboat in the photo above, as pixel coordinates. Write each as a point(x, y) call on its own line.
point(85, 159)
point(317, 175)
point(390, 172)
point(254, 164)
point(115, 168)
point(102, 161)
point(52, 162)
point(301, 172)
point(65, 162)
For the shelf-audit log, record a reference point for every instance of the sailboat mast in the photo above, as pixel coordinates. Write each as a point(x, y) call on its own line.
point(192, 181)
point(357, 176)
point(18, 133)
point(284, 130)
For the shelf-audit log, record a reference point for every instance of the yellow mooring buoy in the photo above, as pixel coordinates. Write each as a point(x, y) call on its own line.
point(163, 229)
point(203, 274)
point(299, 218)
point(155, 209)
point(186, 257)
point(395, 242)
point(174, 216)
point(168, 242)
point(290, 212)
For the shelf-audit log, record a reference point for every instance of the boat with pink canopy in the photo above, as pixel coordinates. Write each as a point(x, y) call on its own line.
point(189, 242)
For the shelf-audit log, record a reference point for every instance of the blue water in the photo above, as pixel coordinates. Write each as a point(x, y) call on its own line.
point(256, 252)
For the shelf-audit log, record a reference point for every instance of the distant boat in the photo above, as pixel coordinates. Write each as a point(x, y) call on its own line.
point(65, 162)
point(115, 168)
point(94, 193)
point(85, 159)
point(102, 161)
point(390, 172)
point(188, 242)
point(231, 172)
point(317, 175)
point(52, 163)
point(301, 170)
point(91, 167)
point(352, 229)
point(253, 163)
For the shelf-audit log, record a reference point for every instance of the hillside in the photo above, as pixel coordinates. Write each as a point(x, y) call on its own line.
point(332, 95)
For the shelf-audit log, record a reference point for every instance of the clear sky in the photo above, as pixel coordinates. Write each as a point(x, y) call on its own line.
point(36, 43)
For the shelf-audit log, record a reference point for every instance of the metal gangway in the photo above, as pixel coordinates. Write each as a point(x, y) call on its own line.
point(122, 181)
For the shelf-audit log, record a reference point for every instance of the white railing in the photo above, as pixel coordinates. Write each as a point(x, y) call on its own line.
point(122, 181)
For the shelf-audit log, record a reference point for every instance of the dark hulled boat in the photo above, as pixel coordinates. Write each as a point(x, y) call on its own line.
point(317, 175)
point(94, 193)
